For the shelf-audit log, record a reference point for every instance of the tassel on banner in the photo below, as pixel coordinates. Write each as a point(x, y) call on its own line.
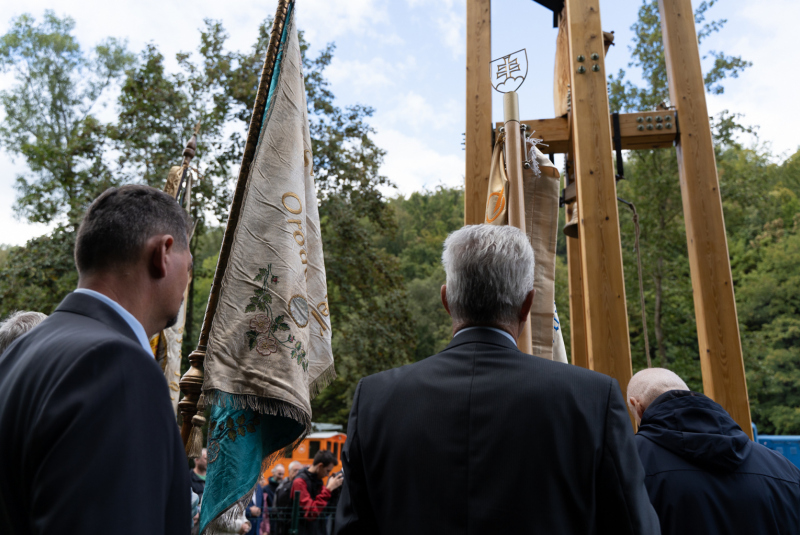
point(194, 446)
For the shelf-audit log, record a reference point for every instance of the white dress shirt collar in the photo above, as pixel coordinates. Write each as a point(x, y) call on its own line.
point(132, 322)
point(501, 331)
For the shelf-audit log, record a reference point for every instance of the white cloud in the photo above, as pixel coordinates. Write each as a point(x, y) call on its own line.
point(363, 76)
point(412, 165)
point(415, 111)
point(764, 92)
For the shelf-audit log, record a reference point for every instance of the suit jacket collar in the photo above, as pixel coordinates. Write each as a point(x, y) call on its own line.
point(91, 307)
point(486, 336)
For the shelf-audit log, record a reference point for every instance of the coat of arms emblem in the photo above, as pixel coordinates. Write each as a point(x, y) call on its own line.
point(509, 71)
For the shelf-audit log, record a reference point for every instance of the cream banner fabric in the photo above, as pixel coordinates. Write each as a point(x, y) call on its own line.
point(541, 182)
point(269, 348)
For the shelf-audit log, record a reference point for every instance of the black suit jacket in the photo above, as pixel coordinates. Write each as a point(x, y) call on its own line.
point(88, 439)
point(482, 438)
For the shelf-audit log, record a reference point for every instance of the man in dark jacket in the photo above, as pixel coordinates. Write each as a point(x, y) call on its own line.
point(463, 416)
point(702, 472)
point(89, 442)
point(198, 473)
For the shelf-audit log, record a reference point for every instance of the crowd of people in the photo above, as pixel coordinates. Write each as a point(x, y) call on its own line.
point(479, 438)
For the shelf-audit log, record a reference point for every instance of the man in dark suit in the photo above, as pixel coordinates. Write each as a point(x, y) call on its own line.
point(703, 473)
point(507, 442)
point(89, 442)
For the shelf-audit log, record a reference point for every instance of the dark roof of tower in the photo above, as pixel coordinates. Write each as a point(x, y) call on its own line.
point(553, 5)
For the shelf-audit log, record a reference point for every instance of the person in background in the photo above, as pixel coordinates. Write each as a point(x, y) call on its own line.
point(264, 527)
point(703, 473)
point(281, 512)
point(198, 473)
point(451, 416)
point(255, 508)
point(314, 493)
point(270, 488)
point(86, 392)
point(17, 324)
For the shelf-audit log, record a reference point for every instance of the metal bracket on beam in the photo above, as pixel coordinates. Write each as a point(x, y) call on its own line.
point(618, 146)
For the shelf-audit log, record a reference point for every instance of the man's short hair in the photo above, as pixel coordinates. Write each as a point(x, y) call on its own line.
point(489, 273)
point(17, 324)
point(119, 222)
point(325, 457)
point(650, 383)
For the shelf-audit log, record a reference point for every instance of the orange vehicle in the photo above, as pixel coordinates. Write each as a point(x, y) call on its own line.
point(332, 441)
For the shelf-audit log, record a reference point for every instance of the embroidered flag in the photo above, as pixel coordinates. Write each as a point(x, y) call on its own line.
point(269, 348)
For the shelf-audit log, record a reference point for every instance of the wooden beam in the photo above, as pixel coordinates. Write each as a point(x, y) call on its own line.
point(479, 110)
point(561, 74)
point(658, 130)
point(607, 338)
point(577, 320)
point(712, 285)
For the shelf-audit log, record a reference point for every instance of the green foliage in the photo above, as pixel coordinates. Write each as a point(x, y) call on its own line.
point(49, 115)
point(39, 275)
point(424, 220)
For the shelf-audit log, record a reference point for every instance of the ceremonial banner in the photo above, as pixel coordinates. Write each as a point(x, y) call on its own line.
point(540, 182)
point(269, 348)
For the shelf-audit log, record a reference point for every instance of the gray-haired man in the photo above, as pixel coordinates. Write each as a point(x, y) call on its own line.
point(508, 443)
point(17, 324)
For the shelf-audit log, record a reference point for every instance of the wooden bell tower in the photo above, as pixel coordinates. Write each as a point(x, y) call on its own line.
point(587, 134)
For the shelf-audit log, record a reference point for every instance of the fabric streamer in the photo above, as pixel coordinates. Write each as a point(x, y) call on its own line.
point(540, 181)
point(269, 349)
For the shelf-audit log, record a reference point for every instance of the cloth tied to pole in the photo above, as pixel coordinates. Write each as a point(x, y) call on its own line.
point(541, 181)
point(269, 348)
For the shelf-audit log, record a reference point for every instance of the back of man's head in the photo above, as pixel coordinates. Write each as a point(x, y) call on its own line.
point(118, 224)
point(647, 385)
point(17, 324)
point(489, 273)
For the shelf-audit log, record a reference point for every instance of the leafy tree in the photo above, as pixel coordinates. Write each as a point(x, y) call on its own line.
point(50, 119)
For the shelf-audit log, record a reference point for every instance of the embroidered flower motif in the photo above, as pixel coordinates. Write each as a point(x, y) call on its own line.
point(267, 331)
point(261, 323)
point(266, 344)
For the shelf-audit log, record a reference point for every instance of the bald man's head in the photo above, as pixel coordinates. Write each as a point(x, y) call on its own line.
point(647, 385)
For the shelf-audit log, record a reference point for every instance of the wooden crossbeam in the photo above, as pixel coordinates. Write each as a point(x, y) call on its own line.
point(555, 132)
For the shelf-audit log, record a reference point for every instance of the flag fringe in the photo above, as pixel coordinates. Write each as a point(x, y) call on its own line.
point(324, 379)
point(225, 523)
point(261, 405)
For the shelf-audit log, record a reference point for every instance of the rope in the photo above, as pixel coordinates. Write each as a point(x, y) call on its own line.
point(641, 284)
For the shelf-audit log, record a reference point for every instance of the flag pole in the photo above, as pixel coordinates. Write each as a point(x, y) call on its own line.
point(516, 196)
point(191, 383)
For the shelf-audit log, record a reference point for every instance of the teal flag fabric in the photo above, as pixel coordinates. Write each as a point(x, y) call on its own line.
point(269, 347)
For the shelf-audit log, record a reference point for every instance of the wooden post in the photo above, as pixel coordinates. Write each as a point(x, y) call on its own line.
point(712, 285)
point(607, 338)
point(577, 320)
point(516, 195)
point(479, 110)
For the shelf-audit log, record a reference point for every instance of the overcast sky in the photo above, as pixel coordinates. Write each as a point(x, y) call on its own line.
point(406, 58)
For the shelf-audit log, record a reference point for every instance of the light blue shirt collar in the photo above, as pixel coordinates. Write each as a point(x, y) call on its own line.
point(132, 322)
point(501, 331)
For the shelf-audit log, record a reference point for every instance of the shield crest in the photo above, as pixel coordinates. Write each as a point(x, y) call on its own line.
point(509, 71)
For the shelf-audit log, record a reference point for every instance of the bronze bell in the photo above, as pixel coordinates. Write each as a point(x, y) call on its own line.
point(571, 228)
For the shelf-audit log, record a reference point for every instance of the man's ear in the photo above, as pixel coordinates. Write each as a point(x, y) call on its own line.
point(444, 299)
point(161, 247)
point(526, 306)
